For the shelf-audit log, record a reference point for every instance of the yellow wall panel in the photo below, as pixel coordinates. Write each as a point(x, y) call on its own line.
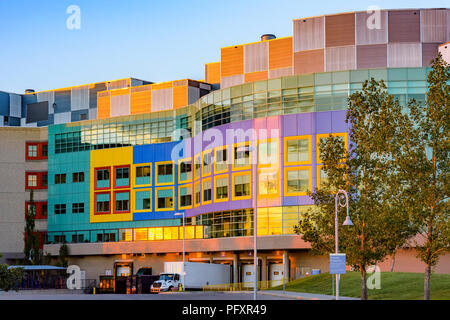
point(180, 96)
point(232, 61)
point(110, 158)
point(280, 53)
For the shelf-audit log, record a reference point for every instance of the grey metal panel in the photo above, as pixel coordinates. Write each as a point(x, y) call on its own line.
point(193, 94)
point(79, 98)
point(433, 25)
point(76, 115)
point(4, 103)
point(15, 105)
point(37, 112)
point(47, 96)
point(63, 117)
point(62, 101)
point(136, 82)
point(93, 94)
point(92, 113)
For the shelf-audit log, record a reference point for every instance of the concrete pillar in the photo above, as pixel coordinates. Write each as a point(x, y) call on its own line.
point(286, 265)
point(264, 268)
point(235, 268)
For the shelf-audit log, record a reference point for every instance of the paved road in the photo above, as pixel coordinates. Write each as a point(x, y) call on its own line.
point(62, 295)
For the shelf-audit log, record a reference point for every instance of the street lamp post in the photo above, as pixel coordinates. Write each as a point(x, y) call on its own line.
point(184, 247)
point(347, 222)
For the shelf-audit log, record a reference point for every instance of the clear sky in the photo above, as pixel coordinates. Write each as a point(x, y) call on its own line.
point(150, 40)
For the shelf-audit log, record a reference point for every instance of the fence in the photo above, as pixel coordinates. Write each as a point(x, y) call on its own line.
point(244, 286)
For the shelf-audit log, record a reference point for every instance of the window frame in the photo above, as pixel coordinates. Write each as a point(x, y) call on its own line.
point(285, 151)
point(277, 174)
point(327, 135)
point(277, 153)
point(210, 152)
point(156, 173)
point(233, 186)
point(218, 177)
point(95, 178)
point(127, 166)
point(301, 193)
point(95, 203)
point(180, 161)
point(157, 198)
point(209, 179)
point(179, 196)
point(134, 174)
point(115, 192)
point(233, 159)
point(226, 161)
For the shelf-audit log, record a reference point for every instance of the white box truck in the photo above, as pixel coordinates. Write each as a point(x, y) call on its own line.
point(196, 275)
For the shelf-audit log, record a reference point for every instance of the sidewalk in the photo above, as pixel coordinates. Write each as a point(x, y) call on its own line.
point(302, 295)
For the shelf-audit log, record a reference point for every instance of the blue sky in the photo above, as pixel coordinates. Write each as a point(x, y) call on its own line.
point(151, 40)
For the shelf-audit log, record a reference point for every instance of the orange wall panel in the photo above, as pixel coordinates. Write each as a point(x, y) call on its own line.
point(103, 105)
point(141, 101)
point(256, 76)
point(280, 53)
point(212, 72)
point(180, 96)
point(162, 85)
point(232, 61)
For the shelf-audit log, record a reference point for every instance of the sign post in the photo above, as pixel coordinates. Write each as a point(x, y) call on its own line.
point(337, 267)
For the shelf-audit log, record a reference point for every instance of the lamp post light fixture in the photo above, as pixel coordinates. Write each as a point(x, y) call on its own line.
point(347, 222)
point(184, 248)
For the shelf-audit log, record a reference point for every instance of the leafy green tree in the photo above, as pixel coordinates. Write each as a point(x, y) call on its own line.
point(367, 173)
point(33, 254)
point(9, 278)
point(424, 163)
point(62, 257)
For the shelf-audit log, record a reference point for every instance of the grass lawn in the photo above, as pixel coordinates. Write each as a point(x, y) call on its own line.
point(394, 286)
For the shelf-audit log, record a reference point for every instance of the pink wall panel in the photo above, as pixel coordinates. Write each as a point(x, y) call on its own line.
point(309, 34)
point(309, 61)
point(371, 28)
point(340, 58)
point(256, 57)
point(404, 26)
point(281, 72)
point(230, 81)
point(429, 52)
point(434, 25)
point(401, 55)
point(162, 99)
point(340, 30)
point(120, 105)
point(371, 56)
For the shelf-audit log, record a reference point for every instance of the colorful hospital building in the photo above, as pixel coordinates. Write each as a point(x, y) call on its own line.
point(115, 165)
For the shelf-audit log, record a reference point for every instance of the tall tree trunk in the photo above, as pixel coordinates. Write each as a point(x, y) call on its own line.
point(393, 263)
point(427, 282)
point(363, 283)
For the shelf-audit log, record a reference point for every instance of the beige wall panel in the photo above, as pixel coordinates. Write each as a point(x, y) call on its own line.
point(162, 99)
point(232, 81)
point(256, 57)
point(282, 72)
point(401, 55)
point(309, 34)
point(340, 58)
point(120, 105)
point(434, 25)
point(370, 28)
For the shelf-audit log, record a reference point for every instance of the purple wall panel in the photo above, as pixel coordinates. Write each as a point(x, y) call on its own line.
point(323, 122)
point(338, 121)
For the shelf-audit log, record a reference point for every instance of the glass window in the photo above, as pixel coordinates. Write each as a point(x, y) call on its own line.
point(143, 200)
point(44, 177)
point(207, 163)
point(297, 181)
point(267, 153)
point(185, 170)
point(32, 151)
point(45, 150)
point(122, 177)
point(198, 193)
point(32, 180)
point(77, 207)
point(60, 178)
point(102, 202)
point(165, 199)
point(143, 175)
point(268, 183)
point(197, 166)
point(164, 173)
point(221, 158)
point(242, 185)
point(102, 176)
point(297, 150)
point(122, 200)
point(241, 156)
point(185, 196)
point(221, 188)
point(77, 177)
point(207, 190)
point(60, 208)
